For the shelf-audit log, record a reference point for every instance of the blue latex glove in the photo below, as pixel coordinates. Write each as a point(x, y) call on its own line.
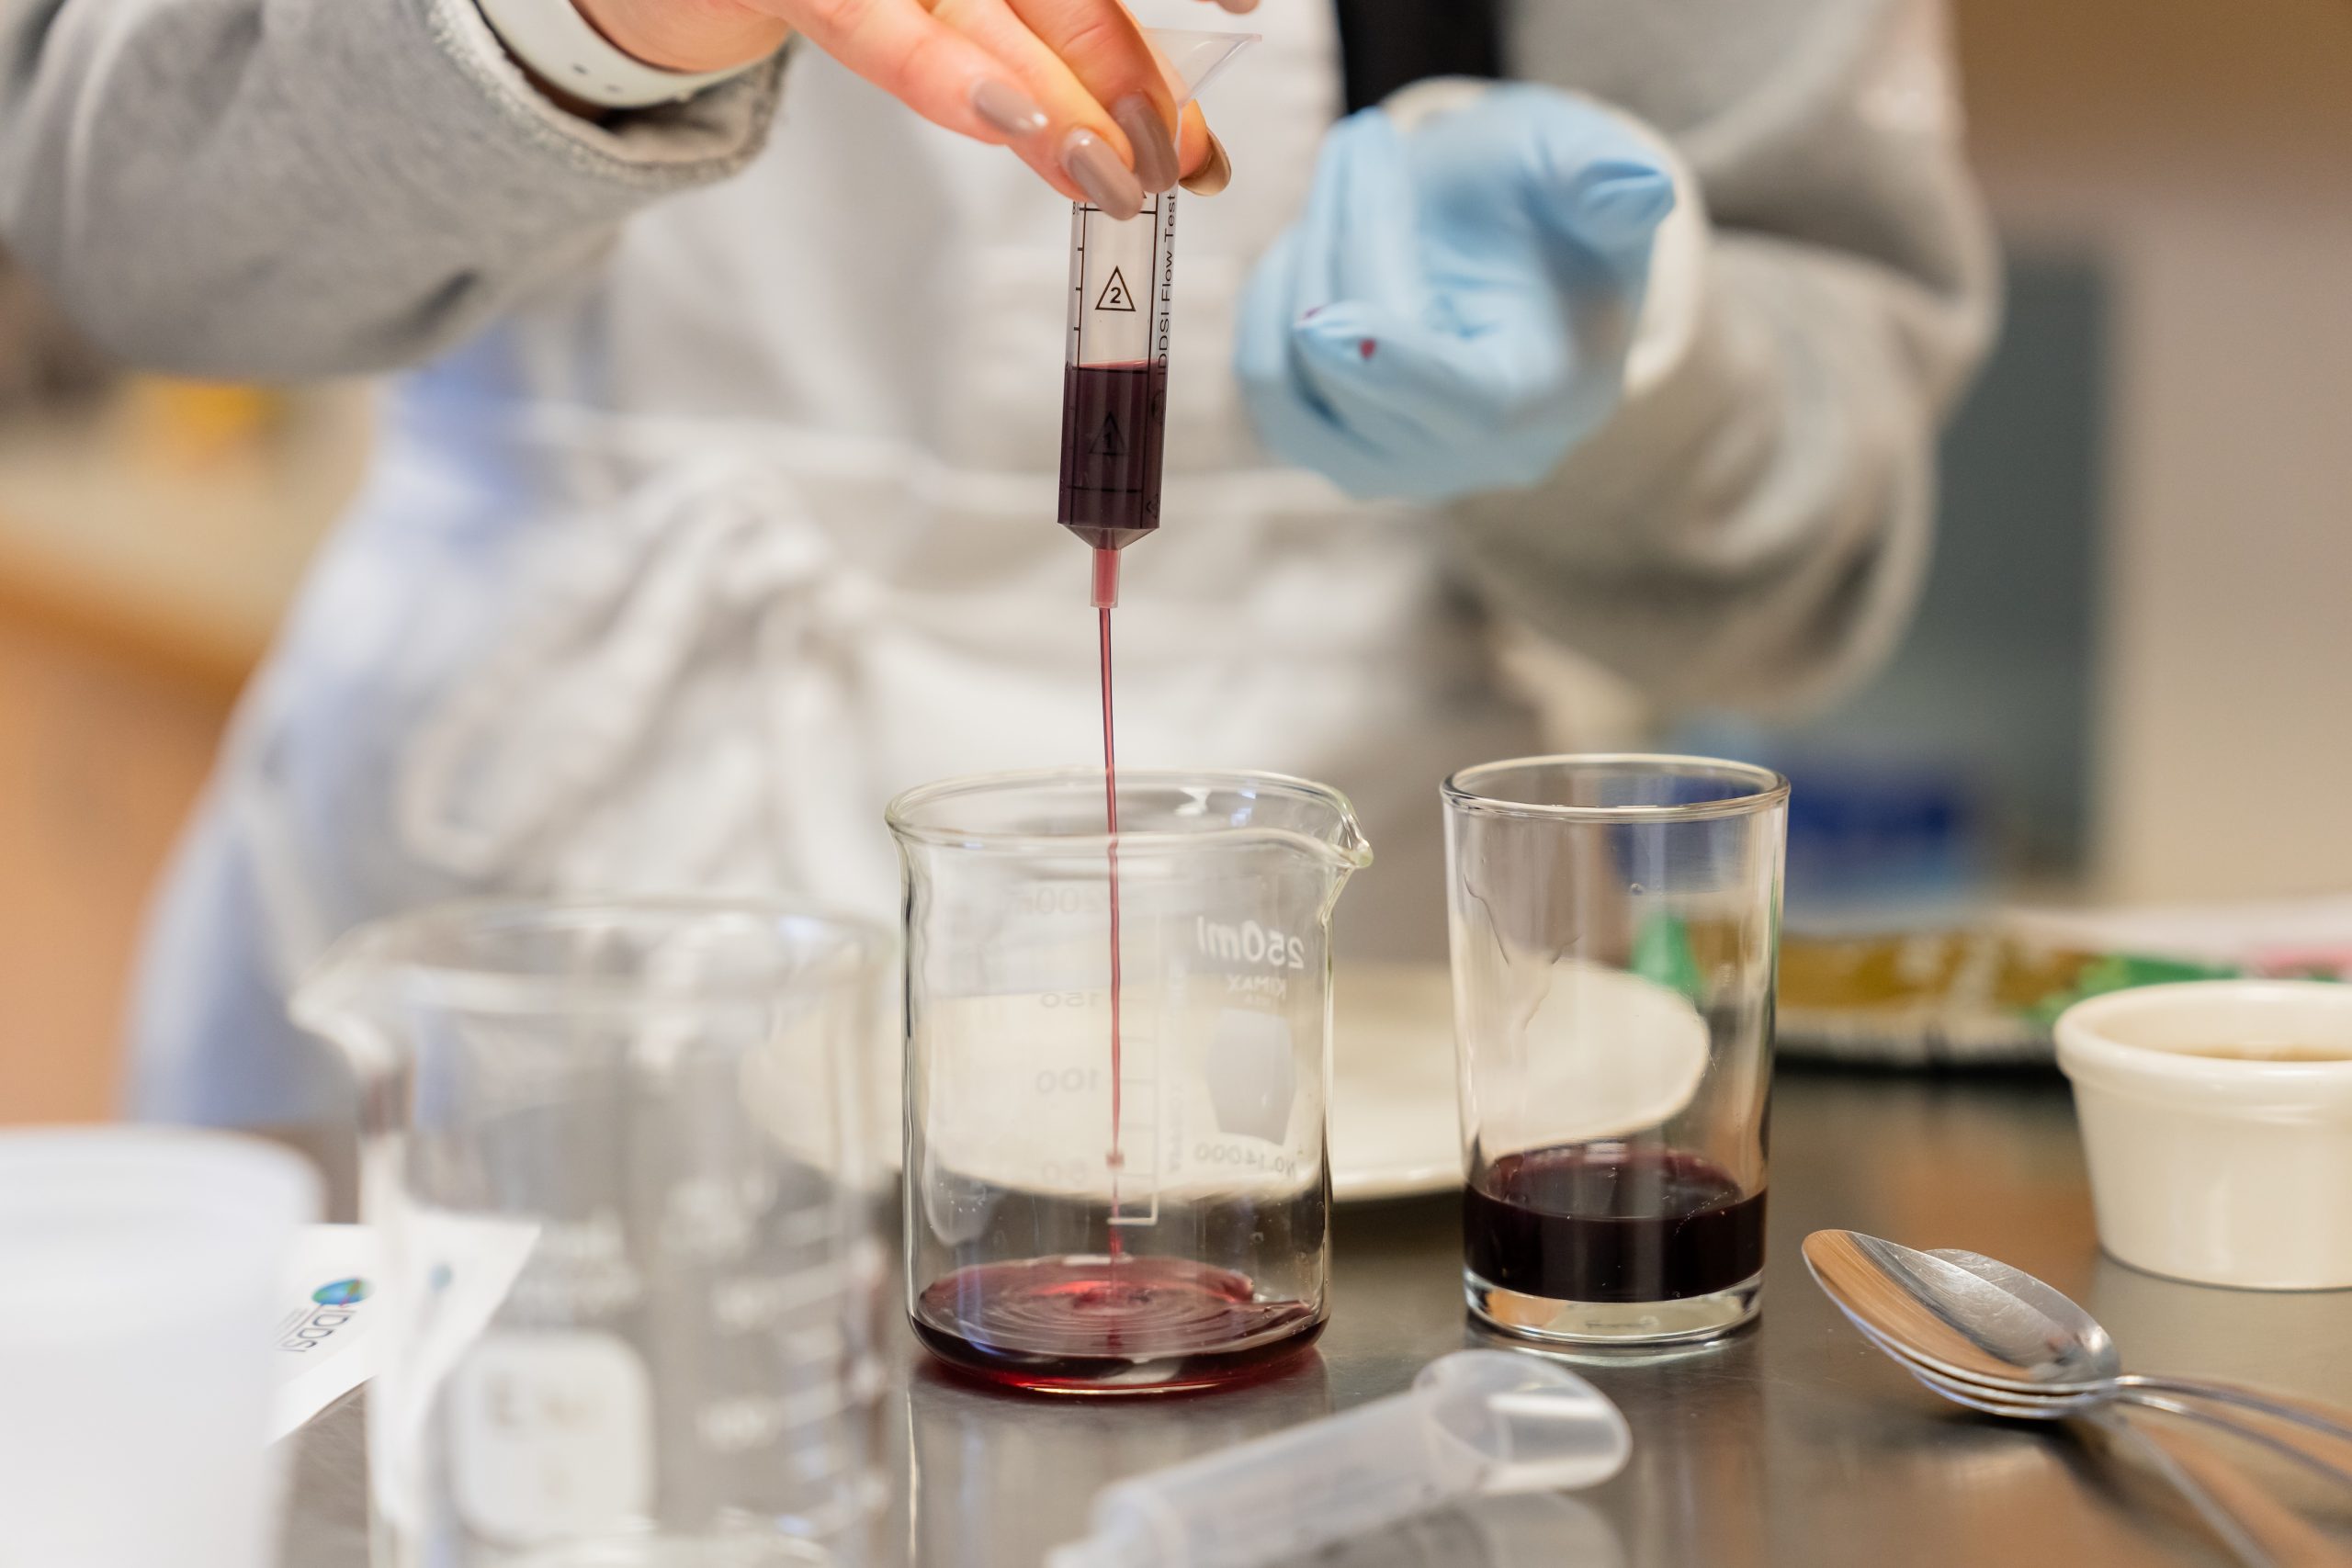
point(1452, 313)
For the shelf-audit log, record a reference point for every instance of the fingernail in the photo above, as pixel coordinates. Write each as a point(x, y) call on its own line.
point(1157, 163)
point(1213, 175)
point(1239, 7)
point(1107, 182)
point(1007, 108)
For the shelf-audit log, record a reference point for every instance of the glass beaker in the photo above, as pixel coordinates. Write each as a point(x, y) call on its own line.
point(1616, 931)
point(618, 1155)
point(1116, 1064)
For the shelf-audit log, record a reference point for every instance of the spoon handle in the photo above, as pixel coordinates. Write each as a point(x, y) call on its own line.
point(2259, 1530)
point(2316, 1452)
point(2286, 1407)
point(2160, 1457)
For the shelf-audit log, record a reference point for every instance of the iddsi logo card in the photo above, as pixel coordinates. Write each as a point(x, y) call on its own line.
point(333, 1285)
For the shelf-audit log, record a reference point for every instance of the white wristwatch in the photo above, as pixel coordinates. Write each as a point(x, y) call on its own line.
point(567, 51)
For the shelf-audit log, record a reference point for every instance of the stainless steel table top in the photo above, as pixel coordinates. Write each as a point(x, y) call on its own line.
point(1795, 1443)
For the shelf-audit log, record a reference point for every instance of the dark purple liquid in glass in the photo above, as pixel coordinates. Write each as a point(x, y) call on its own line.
point(1114, 436)
point(1110, 1326)
point(1605, 1223)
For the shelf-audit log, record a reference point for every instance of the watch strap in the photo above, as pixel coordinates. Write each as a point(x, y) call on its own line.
point(564, 48)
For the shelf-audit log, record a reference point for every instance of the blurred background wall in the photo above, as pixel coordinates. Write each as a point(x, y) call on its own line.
point(2202, 153)
point(2132, 666)
point(151, 532)
point(2130, 684)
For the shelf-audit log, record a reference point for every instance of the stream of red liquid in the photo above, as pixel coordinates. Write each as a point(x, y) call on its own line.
point(1111, 816)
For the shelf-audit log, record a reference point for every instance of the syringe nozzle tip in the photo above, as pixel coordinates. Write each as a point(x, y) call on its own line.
point(1107, 580)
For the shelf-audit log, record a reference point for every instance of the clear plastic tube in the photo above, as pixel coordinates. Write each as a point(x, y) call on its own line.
point(1477, 1423)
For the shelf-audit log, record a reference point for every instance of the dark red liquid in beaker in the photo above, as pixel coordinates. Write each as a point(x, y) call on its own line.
point(1110, 1326)
point(1114, 435)
point(1605, 1223)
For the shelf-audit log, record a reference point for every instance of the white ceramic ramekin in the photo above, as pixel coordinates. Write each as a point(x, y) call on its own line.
point(2222, 1170)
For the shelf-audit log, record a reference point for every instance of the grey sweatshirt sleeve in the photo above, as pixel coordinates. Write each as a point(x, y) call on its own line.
point(299, 188)
point(1753, 529)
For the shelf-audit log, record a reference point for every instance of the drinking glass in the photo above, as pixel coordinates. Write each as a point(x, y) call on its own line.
point(1615, 926)
point(1116, 1055)
point(615, 1150)
point(140, 1271)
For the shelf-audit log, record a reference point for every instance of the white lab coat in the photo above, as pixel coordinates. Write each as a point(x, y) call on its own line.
point(673, 581)
point(560, 649)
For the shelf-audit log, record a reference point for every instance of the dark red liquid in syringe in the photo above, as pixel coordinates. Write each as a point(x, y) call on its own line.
point(1115, 437)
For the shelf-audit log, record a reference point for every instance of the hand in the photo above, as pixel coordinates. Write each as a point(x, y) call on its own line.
point(1452, 313)
point(1071, 85)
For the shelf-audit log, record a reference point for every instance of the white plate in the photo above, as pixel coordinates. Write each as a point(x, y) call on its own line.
point(1395, 1130)
point(1394, 1123)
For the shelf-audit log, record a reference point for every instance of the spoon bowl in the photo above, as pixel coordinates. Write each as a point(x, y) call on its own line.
point(1958, 1320)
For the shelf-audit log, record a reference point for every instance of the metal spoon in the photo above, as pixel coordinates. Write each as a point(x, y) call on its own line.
point(1979, 1321)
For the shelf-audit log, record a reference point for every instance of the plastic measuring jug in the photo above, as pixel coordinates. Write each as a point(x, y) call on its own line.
point(1115, 395)
point(633, 1271)
point(1119, 1195)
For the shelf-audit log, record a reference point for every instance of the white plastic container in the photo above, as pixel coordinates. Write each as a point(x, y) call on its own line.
point(140, 1272)
point(2225, 1169)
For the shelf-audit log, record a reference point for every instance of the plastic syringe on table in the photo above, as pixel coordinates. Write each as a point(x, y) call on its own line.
point(1475, 1422)
point(1114, 397)
point(1523, 1529)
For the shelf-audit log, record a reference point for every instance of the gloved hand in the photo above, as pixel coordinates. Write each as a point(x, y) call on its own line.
point(1452, 313)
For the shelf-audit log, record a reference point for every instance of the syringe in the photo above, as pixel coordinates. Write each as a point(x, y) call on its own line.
point(1114, 403)
point(1115, 438)
point(1477, 1423)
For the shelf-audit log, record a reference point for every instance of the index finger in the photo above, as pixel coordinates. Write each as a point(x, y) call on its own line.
point(1109, 54)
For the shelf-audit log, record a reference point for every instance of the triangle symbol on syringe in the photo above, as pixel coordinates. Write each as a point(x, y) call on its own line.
point(1114, 294)
point(1110, 443)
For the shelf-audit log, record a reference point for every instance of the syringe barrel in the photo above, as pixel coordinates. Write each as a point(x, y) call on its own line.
point(1476, 1421)
point(1275, 1498)
point(1114, 408)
